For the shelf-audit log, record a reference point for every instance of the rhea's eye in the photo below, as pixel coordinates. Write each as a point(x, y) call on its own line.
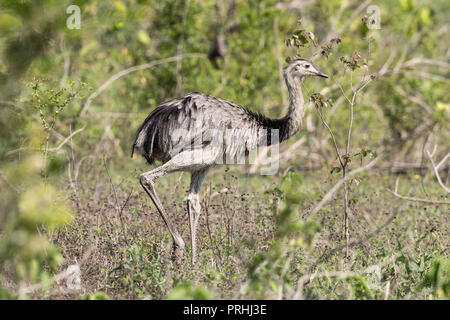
point(306, 66)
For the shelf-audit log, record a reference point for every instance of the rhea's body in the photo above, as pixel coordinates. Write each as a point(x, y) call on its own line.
point(176, 130)
point(198, 120)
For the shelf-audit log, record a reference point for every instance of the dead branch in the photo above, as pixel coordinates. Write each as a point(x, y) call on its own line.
point(422, 61)
point(336, 187)
point(436, 168)
point(418, 199)
point(395, 193)
point(122, 73)
point(119, 210)
point(56, 149)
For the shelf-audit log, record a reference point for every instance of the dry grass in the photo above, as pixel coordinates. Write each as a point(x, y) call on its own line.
point(124, 249)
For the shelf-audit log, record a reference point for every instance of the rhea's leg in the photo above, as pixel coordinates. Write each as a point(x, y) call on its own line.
point(195, 162)
point(194, 209)
point(147, 182)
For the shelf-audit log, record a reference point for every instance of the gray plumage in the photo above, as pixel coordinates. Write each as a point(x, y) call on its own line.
point(221, 129)
point(155, 140)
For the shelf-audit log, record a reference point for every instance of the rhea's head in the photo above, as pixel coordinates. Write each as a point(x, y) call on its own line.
point(301, 68)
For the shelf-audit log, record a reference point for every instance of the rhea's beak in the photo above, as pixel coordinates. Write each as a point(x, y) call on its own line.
point(321, 74)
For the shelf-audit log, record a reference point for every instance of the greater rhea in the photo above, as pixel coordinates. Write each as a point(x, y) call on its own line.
point(178, 129)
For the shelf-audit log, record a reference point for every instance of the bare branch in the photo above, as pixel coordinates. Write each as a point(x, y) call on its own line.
point(56, 149)
point(332, 136)
point(133, 69)
point(417, 199)
point(423, 61)
point(336, 187)
point(436, 169)
point(117, 115)
point(427, 75)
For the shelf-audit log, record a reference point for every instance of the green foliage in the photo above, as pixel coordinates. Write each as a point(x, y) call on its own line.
point(25, 249)
point(366, 152)
point(188, 291)
point(438, 278)
point(50, 103)
point(271, 271)
point(95, 296)
point(142, 270)
point(358, 287)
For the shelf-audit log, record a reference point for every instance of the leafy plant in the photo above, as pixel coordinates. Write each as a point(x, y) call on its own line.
point(438, 278)
point(95, 296)
point(25, 250)
point(188, 291)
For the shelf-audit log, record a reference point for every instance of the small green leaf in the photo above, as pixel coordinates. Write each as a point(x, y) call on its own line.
point(335, 169)
point(143, 37)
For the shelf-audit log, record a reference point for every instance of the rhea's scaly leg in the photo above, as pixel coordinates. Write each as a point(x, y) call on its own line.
point(194, 209)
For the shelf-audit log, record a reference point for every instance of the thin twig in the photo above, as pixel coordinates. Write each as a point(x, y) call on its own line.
point(436, 169)
point(133, 69)
point(417, 199)
point(332, 136)
point(336, 187)
point(56, 149)
point(118, 210)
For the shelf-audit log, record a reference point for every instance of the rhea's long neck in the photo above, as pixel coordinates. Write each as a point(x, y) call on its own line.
point(292, 121)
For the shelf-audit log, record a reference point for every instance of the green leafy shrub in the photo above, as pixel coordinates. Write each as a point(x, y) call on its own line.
point(188, 291)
